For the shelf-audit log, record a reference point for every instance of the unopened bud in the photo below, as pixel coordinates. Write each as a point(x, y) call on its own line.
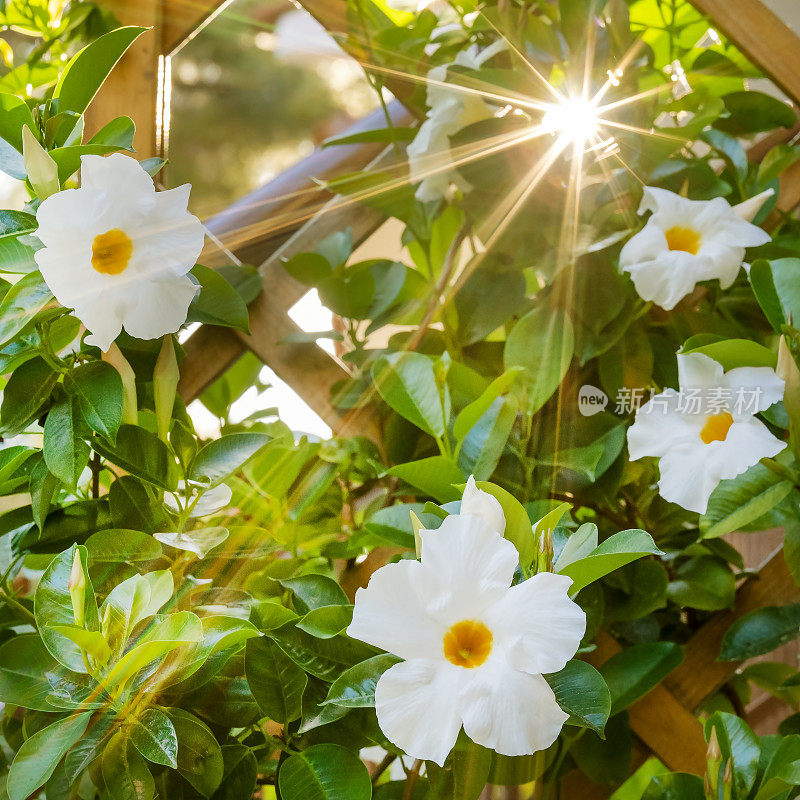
point(42, 171)
point(113, 356)
point(787, 370)
point(165, 384)
point(416, 522)
point(77, 589)
point(544, 556)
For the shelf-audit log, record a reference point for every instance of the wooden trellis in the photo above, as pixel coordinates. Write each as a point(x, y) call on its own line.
point(284, 218)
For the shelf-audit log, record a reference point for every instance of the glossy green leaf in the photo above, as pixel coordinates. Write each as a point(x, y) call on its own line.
point(153, 735)
point(581, 691)
point(97, 387)
point(277, 683)
point(125, 773)
point(199, 756)
point(760, 631)
point(355, 687)
point(324, 772)
point(220, 458)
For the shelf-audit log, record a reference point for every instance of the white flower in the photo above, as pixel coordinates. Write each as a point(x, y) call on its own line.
point(211, 500)
point(688, 241)
point(117, 251)
point(481, 504)
point(451, 109)
point(475, 648)
point(708, 432)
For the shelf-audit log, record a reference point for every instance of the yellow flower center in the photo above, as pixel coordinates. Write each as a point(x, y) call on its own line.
point(716, 428)
point(684, 239)
point(467, 644)
point(111, 252)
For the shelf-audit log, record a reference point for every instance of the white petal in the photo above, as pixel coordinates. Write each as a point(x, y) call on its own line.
point(659, 426)
point(760, 385)
point(747, 442)
point(115, 172)
point(663, 201)
point(391, 613)
point(749, 208)
point(484, 505)
point(511, 712)
point(468, 564)
point(537, 625)
point(688, 477)
point(666, 278)
point(699, 371)
point(418, 703)
point(158, 307)
point(169, 240)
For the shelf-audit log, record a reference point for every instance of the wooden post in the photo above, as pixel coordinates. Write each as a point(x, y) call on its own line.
point(135, 87)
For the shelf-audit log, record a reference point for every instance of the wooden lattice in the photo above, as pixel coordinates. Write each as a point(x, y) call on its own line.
point(664, 721)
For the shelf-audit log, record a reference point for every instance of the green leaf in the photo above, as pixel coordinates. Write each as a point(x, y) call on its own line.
point(276, 682)
point(97, 386)
point(738, 743)
point(14, 115)
point(734, 353)
point(39, 755)
point(471, 765)
point(407, 382)
point(316, 591)
point(703, 582)
point(222, 457)
point(217, 302)
point(675, 786)
point(88, 69)
point(776, 285)
point(25, 665)
point(434, 476)
point(635, 671)
point(177, 630)
point(394, 524)
point(324, 772)
point(53, 606)
point(618, 550)
point(754, 112)
point(125, 773)
point(326, 622)
point(759, 632)
point(20, 305)
point(121, 545)
point(518, 526)
point(240, 773)
point(199, 756)
point(309, 268)
point(581, 542)
point(791, 549)
point(141, 453)
point(118, 133)
point(16, 255)
point(200, 541)
point(542, 343)
point(153, 735)
point(322, 658)
point(581, 691)
point(43, 487)
point(28, 388)
point(740, 501)
point(65, 451)
point(355, 687)
point(481, 449)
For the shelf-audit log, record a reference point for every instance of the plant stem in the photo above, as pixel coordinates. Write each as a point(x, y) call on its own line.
point(411, 780)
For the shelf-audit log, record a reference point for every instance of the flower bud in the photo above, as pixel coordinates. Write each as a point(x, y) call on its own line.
point(165, 383)
point(418, 526)
point(544, 556)
point(481, 504)
point(77, 589)
point(41, 169)
point(113, 356)
point(787, 370)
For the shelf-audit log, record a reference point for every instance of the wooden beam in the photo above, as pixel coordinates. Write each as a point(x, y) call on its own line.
point(701, 674)
point(248, 227)
point(134, 88)
point(660, 721)
point(762, 36)
point(184, 19)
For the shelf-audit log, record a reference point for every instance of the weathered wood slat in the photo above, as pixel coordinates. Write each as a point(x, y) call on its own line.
point(762, 36)
point(183, 19)
point(700, 674)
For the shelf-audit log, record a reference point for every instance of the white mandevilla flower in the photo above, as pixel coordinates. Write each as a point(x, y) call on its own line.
point(118, 252)
point(688, 241)
point(475, 648)
point(707, 432)
point(210, 501)
point(451, 108)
